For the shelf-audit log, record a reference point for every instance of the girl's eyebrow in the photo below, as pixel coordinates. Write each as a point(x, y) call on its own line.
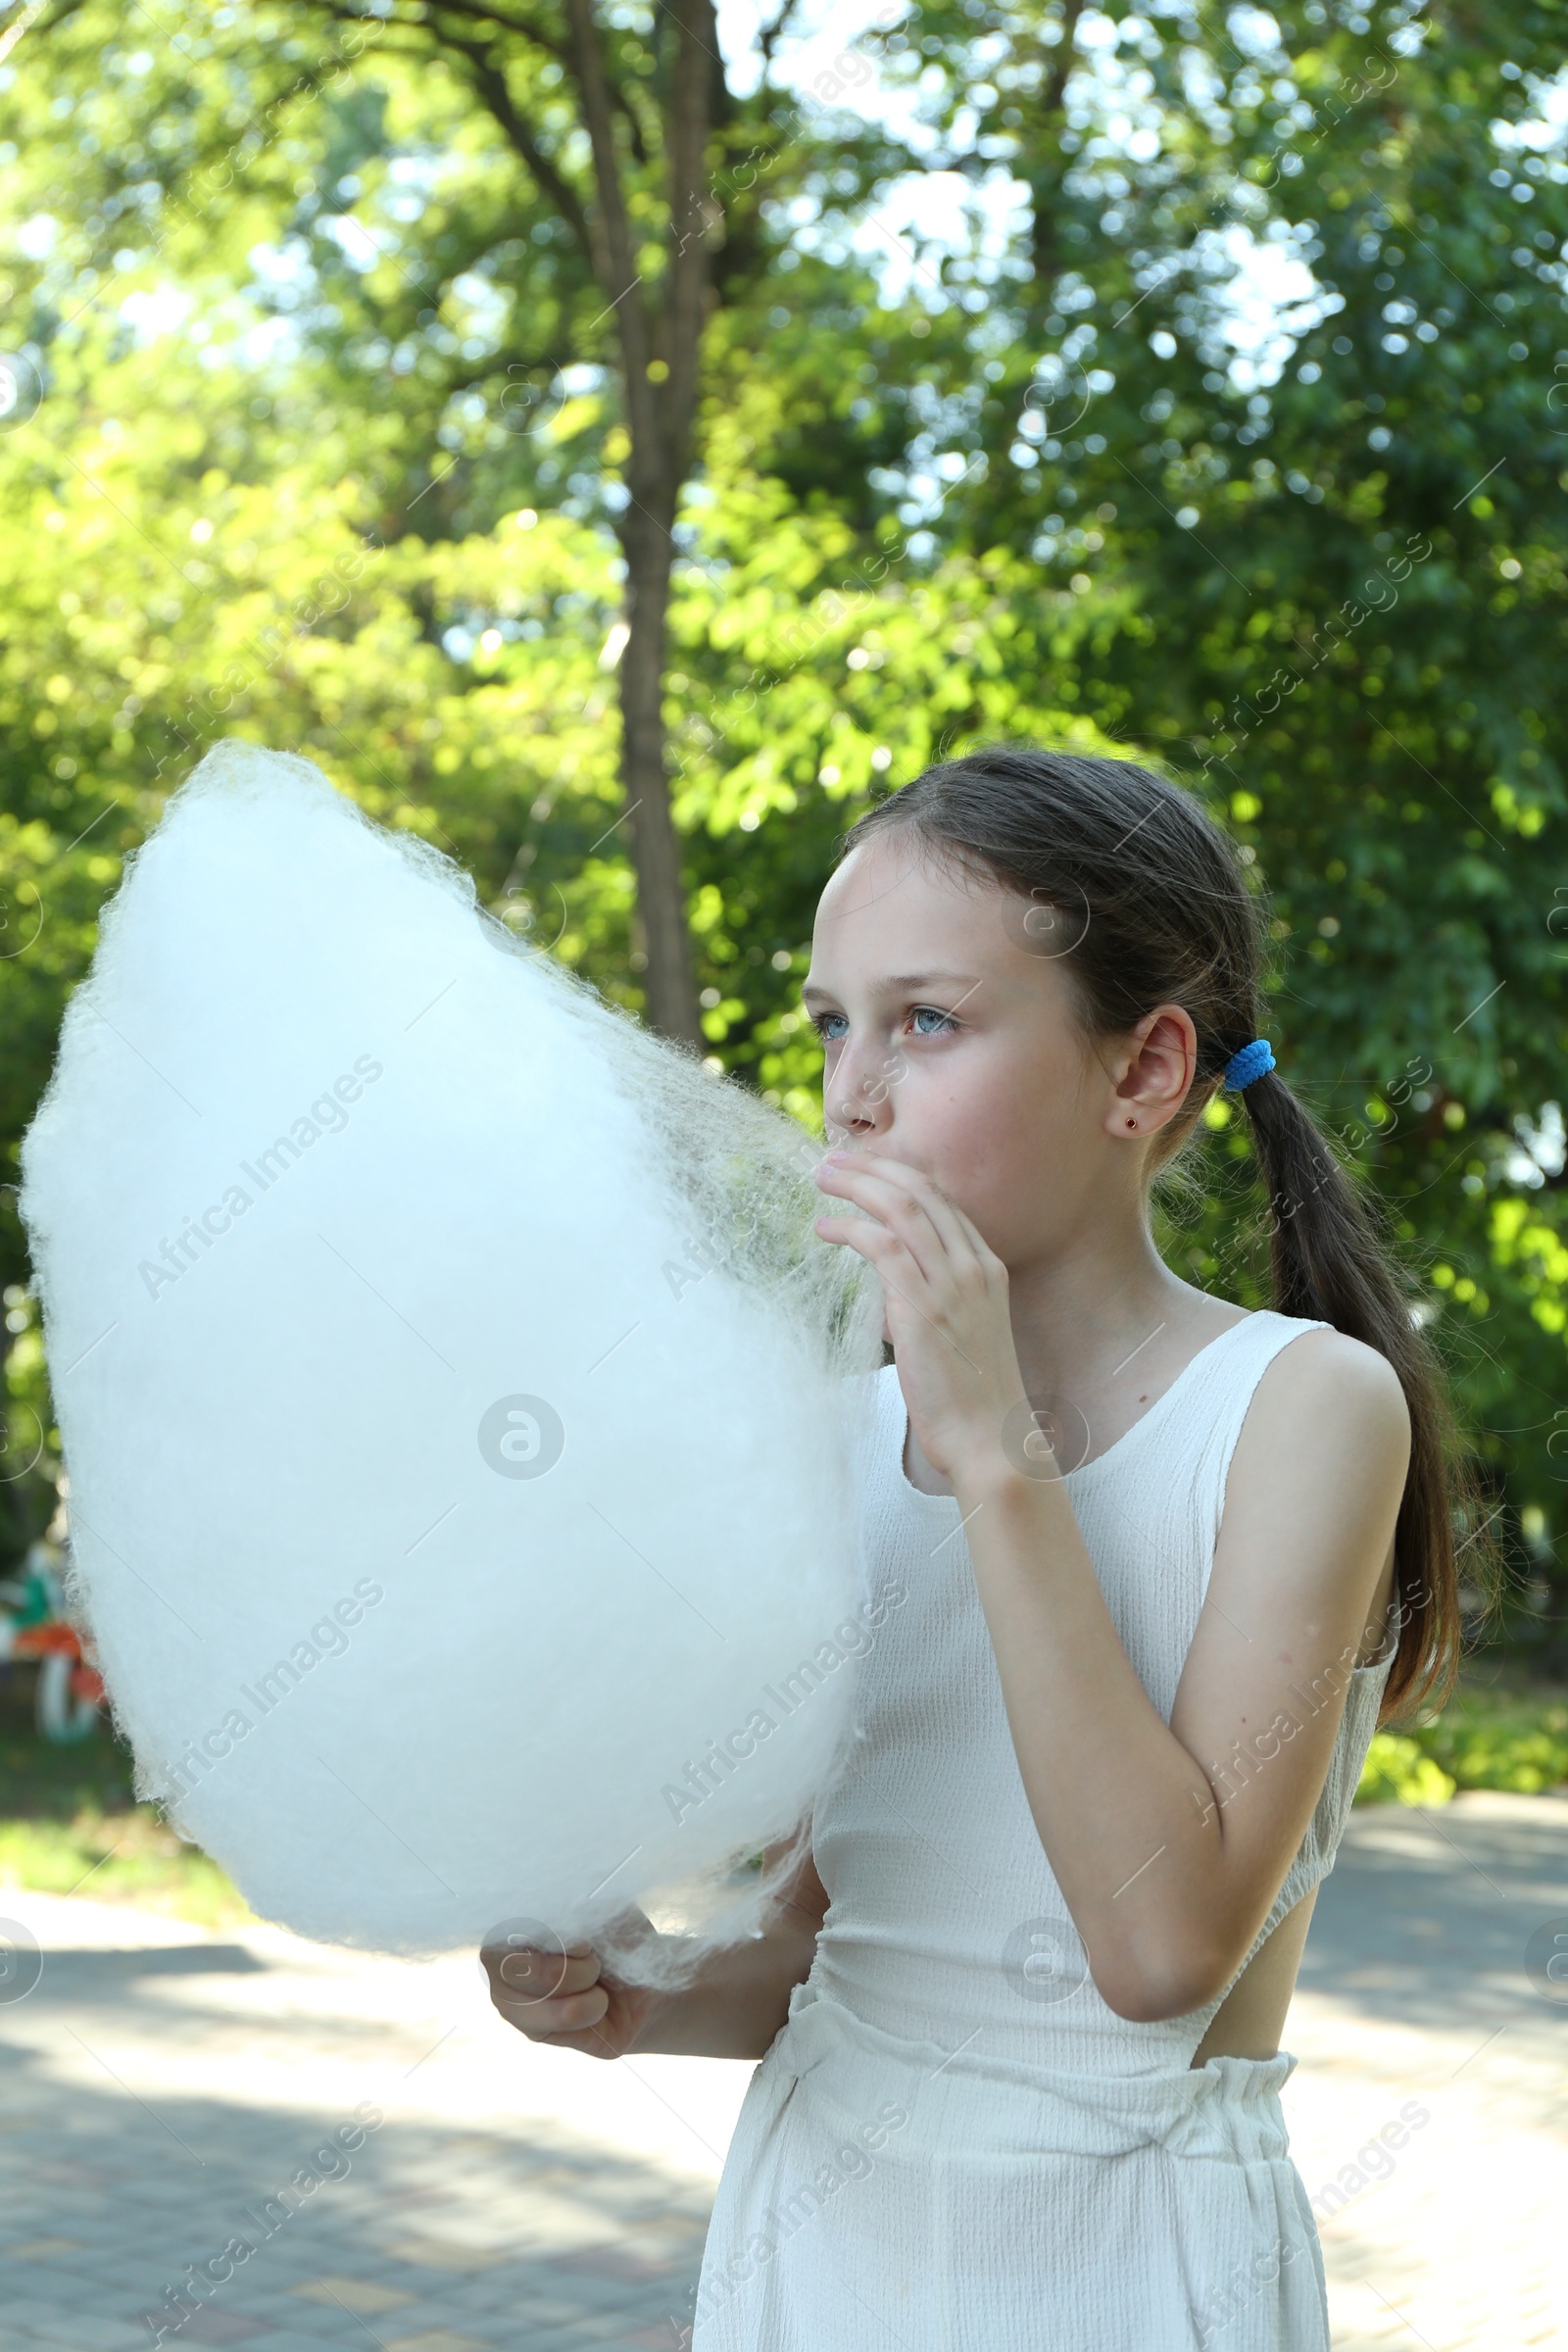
point(897, 983)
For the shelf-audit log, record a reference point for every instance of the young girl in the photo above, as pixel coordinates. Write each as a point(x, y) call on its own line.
point(1157, 1566)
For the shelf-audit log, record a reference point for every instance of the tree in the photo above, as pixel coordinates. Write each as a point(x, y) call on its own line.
point(1321, 567)
point(626, 136)
point(646, 107)
point(535, 216)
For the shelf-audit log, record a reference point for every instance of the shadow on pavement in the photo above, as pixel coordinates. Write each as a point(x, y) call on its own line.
point(1427, 1915)
point(111, 2207)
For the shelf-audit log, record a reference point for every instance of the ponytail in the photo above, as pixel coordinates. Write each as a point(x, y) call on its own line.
point(1158, 909)
point(1333, 1261)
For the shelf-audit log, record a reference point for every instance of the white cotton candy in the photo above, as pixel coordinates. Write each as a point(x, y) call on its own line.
point(460, 1413)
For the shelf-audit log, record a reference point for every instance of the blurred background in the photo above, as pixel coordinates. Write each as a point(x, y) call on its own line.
point(619, 441)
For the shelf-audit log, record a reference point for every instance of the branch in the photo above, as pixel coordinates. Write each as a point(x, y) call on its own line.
point(532, 32)
point(475, 10)
point(689, 115)
point(1052, 95)
point(771, 33)
point(1055, 84)
point(611, 232)
point(427, 25)
point(490, 81)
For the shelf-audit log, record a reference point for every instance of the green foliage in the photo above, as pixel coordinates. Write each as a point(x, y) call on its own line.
point(328, 452)
point(1484, 1743)
point(129, 1857)
point(71, 1825)
point(1399, 1772)
point(1332, 583)
point(1482, 1740)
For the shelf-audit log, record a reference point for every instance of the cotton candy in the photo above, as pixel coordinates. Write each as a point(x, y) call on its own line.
point(462, 1417)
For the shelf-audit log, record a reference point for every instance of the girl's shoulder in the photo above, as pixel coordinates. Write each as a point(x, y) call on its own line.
point(1297, 1352)
point(1343, 1377)
point(1275, 1388)
point(1324, 1435)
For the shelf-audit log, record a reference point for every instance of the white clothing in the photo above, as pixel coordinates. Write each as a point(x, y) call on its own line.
point(954, 2144)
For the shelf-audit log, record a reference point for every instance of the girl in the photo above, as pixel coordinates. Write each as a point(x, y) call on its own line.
point(1160, 1568)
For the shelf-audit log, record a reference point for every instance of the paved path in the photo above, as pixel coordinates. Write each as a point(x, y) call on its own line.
point(1417, 1984)
point(160, 2087)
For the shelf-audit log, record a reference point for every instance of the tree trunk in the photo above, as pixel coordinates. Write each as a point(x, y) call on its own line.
point(659, 346)
point(658, 327)
point(671, 1001)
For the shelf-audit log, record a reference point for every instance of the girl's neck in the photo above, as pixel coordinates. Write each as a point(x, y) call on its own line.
point(1100, 1335)
point(1103, 1329)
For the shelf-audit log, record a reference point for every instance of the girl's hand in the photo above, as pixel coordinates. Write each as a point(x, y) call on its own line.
point(564, 1997)
point(947, 1309)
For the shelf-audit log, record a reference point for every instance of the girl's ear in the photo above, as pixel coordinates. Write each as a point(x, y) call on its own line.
point(1156, 1072)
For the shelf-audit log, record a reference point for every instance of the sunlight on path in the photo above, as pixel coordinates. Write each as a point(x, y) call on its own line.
point(165, 2092)
point(1453, 2240)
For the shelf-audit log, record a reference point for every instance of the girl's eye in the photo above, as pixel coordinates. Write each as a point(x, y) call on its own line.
point(944, 1019)
point(822, 1022)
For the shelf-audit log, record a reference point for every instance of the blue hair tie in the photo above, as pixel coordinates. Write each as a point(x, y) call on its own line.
point(1250, 1062)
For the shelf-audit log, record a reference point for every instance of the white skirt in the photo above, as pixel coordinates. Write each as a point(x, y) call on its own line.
point(880, 2194)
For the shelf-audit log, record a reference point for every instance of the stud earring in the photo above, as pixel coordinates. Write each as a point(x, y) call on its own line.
point(1132, 1122)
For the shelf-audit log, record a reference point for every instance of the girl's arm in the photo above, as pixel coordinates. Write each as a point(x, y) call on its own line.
point(1169, 1842)
point(732, 2008)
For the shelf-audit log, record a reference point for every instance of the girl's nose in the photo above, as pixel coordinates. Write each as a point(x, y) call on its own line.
point(856, 1099)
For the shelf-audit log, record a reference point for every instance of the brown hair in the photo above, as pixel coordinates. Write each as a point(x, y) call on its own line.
point(1155, 907)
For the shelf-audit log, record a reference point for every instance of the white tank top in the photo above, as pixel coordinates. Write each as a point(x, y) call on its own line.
point(944, 1917)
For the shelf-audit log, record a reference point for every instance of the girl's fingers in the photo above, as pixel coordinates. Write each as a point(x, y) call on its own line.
point(522, 1973)
point(911, 1190)
point(875, 1242)
point(881, 1248)
point(926, 1220)
point(968, 1228)
point(885, 1252)
point(542, 2021)
point(969, 1256)
point(554, 1997)
point(900, 1272)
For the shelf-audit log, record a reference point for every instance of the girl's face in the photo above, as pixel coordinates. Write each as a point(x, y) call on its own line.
point(950, 1045)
